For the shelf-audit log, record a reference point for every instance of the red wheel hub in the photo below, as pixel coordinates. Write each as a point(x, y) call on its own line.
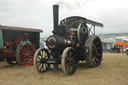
point(19, 39)
point(26, 54)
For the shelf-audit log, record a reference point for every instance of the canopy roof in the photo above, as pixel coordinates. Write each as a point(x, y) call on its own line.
point(88, 21)
point(19, 29)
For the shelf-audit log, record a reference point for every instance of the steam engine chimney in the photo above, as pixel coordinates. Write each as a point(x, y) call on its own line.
point(55, 17)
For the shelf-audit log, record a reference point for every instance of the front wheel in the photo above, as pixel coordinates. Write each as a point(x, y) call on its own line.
point(69, 61)
point(40, 60)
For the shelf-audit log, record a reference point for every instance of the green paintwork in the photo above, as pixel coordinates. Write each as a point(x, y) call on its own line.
point(1, 39)
point(18, 47)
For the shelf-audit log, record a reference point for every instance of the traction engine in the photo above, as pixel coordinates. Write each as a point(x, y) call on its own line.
point(18, 44)
point(72, 41)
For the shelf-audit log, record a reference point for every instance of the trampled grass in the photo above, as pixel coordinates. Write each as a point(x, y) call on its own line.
point(112, 71)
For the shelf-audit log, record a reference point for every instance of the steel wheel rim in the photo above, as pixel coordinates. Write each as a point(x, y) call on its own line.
point(69, 61)
point(96, 52)
point(26, 54)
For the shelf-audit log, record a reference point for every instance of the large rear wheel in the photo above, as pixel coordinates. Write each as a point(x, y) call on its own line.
point(93, 51)
point(69, 61)
point(25, 53)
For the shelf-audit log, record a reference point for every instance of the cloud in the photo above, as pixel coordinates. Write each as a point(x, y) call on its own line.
point(38, 13)
point(72, 4)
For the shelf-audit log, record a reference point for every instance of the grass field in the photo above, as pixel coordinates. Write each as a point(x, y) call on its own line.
point(112, 71)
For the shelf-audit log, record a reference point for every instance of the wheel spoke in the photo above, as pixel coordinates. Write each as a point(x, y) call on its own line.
point(67, 58)
point(41, 53)
point(25, 50)
point(32, 50)
point(94, 62)
point(45, 66)
point(67, 67)
point(21, 53)
point(22, 50)
point(38, 61)
point(72, 57)
point(70, 53)
point(41, 59)
point(97, 59)
point(22, 58)
point(28, 50)
point(41, 67)
point(38, 64)
point(32, 53)
point(44, 55)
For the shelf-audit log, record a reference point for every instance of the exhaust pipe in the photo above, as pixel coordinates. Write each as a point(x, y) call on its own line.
point(55, 17)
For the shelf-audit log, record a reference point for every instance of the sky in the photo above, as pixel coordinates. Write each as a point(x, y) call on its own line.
point(38, 13)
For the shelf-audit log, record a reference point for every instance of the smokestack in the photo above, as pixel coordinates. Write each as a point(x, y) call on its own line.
point(55, 16)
